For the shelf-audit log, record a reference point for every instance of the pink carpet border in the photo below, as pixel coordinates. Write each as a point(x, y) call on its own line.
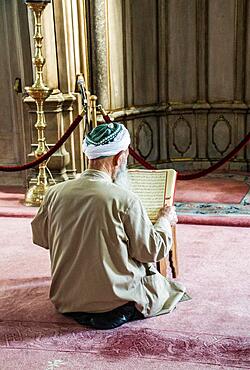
point(232, 221)
point(27, 212)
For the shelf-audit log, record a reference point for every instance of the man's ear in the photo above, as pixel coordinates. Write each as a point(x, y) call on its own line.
point(117, 158)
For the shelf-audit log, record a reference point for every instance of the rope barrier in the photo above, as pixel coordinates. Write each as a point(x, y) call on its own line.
point(132, 152)
point(195, 175)
point(51, 151)
point(215, 166)
point(188, 176)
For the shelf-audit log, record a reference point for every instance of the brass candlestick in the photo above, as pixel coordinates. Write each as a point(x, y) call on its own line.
point(39, 92)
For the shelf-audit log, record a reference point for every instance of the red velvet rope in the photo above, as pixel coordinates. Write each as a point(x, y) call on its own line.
point(132, 152)
point(45, 156)
point(189, 176)
point(215, 166)
point(196, 175)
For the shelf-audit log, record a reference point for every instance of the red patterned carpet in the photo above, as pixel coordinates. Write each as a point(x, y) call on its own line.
point(209, 332)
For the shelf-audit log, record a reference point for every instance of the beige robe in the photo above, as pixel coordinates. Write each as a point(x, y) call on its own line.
point(101, 243)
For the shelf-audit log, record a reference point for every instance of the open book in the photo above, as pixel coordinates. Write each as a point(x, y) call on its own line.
point(155, 188)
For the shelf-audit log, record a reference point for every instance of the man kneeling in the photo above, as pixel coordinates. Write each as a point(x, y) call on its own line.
point(102, 244)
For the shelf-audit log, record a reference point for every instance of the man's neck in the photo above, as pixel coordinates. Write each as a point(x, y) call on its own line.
point(103, 166)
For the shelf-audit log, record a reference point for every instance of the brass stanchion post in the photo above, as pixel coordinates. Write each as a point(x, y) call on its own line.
point(39, 92)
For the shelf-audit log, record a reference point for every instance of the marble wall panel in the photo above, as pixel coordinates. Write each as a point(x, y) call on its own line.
point(247, 48)
point(240, 129)
point(163, 50)
point(221, 49)
point(192, 140)
point(144, 51)
point(201, 127)
point(14, 63)
point(247, 148)
point(131, 128)
point(182, 69)
point(115, 54)
point(163, 134)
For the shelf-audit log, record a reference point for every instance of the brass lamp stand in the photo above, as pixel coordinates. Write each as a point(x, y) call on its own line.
point(39, 92)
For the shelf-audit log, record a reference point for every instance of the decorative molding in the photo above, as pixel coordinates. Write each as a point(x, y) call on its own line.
point(144, 139)
point(220, 129)
point(177, 108)
point(184, 130)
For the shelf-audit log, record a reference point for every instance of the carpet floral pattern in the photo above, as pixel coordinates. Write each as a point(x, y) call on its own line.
point(128, 341)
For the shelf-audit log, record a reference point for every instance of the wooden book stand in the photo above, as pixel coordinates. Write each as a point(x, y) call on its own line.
point(172, 259)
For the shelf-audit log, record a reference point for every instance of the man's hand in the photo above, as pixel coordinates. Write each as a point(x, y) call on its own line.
point(169, 213)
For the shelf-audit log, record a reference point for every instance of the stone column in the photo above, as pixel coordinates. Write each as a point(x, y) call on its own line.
point(72, 58)
point(99, 51)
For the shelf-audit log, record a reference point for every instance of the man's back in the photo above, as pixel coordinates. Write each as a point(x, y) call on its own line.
point(91, 267)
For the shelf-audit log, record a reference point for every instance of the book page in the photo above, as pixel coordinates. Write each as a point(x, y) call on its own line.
point(170, 187)
point(154, 187)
